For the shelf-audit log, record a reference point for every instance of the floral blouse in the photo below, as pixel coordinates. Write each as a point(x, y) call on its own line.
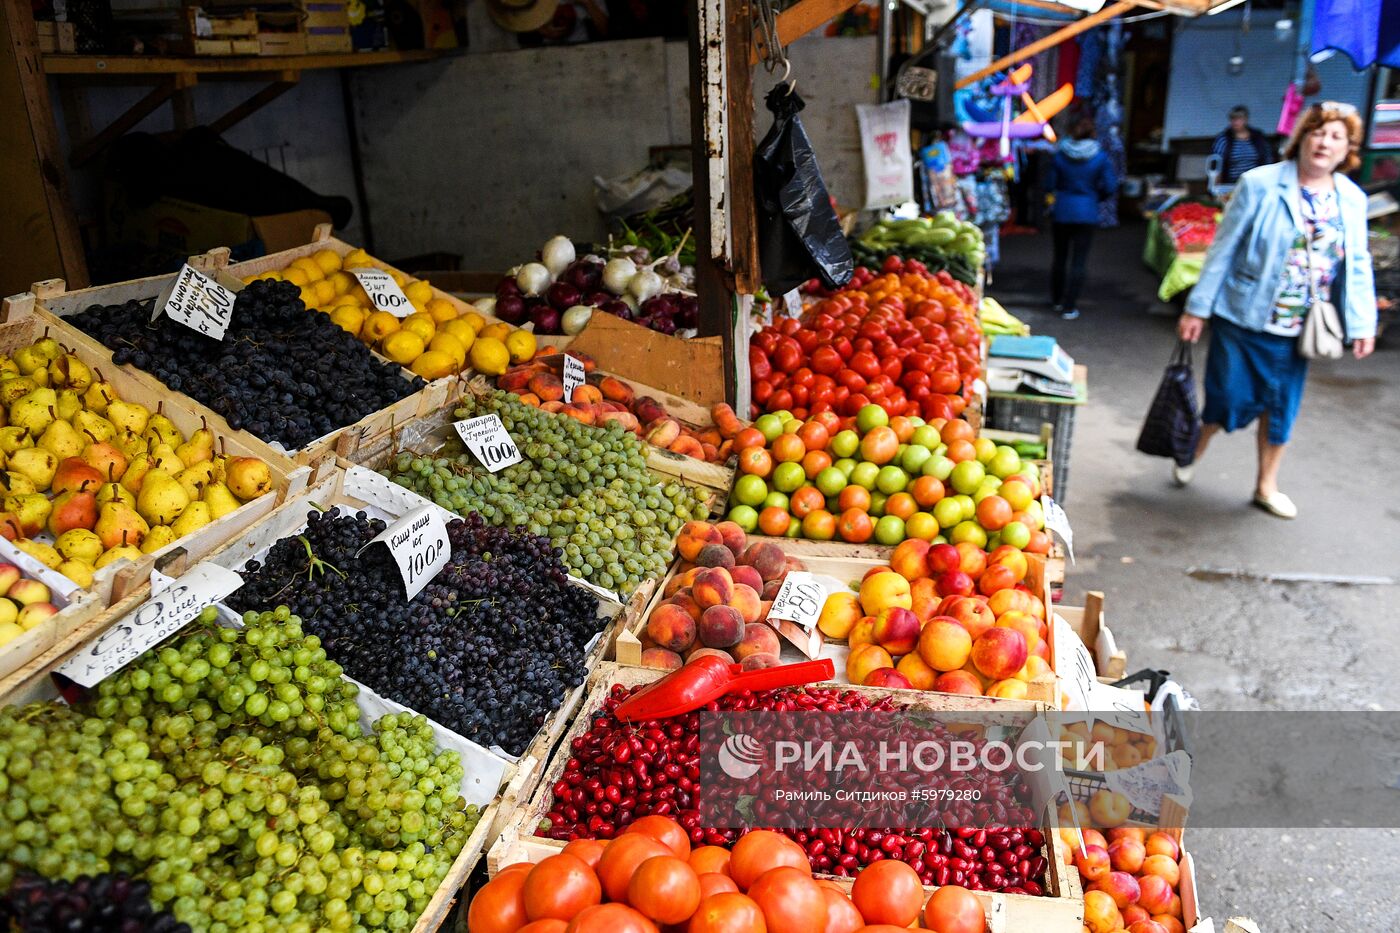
point(1323, 220)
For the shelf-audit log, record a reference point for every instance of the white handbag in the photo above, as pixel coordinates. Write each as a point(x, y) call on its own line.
point(1323, 337)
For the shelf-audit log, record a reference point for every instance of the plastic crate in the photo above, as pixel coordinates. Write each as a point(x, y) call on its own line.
point(1026, 416)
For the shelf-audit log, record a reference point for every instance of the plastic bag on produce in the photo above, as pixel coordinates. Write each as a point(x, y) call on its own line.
point(1173, 422)
point(799, 235)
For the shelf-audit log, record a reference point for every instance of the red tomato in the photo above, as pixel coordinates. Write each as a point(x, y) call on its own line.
point(780, 400)
point(826, 360)
point(806, 339)
point(759, 365)
point(787, 356)
point(801, 394)
point(842, 345)
point(865, 363)
point(762, 390)
point(788, 326)
point(892, 364)
point(944, 382)
point(851, 380)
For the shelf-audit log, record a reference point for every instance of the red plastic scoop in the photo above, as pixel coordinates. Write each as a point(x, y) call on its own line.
point(709, 678)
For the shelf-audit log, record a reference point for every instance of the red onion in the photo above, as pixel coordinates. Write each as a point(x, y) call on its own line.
point(562, 296)
point(596, 298)
point(584, 275)
point(511, 308)
point(547, 319)
point(507, 287)
point(661, 323)
point(616, 306)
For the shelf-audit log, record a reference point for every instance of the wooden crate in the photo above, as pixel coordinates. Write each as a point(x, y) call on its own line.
point(1062, 911)
point(1088, 623)
point(56, 37)
point(327, 25)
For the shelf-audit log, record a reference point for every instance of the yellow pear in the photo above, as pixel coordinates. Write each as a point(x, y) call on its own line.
point(79, 544)
point(159, 537)
point(133, 445)
point(77, 571)
point(128, 416)
point(14, 388)
point(94, 426)
point(68, 370)
point(118, 524)
point(8, 368)
point(35, 411)
point(69, 404)
point(194, 517)
point(30, 510)
point(248, 477)
point(196, 478)
point(37, 464)
point(161, 499)
point(60, 438)
point(161, 430)
point(199, 448)
point(220, 466)
point(98, 396)
point(166, 459)
point(43, 553)
point(221, 500)
point(136, 471)
point(12, 439)
point(17, 484)
point(31, 359)
point(111, 556)
point(115, 492)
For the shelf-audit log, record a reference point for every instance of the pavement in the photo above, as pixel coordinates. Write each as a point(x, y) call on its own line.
point(1190, 575)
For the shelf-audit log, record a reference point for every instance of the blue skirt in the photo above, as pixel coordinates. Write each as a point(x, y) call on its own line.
point(1250, 373)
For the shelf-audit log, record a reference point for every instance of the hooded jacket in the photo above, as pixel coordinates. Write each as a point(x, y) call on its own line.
point(1080, 177)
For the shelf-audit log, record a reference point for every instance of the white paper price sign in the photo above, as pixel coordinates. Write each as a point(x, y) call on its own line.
point(384, 291)
point(1119, 707)
point(1073, 665)
point(419, 544)
point(800, 599)
point(487, 439)
point(1057, 521)
point(573, 376)
point(199, 303)
point(164, 614)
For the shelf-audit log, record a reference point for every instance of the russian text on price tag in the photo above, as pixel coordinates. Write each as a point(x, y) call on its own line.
point(1057, 521)
point(383, 291)
point(800, 600)
point(487, 439)
point(1074, 666)
point(418, 542)
point(164, 614)
point(199, 303)
point(573, 376)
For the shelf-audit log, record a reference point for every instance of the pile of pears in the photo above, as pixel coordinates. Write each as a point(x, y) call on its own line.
point(107, 478)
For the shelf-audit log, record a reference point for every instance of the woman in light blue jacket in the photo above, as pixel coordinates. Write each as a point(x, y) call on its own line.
point(1285, 222)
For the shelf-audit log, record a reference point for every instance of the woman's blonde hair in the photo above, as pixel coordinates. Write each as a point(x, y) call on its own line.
point(1319, 114)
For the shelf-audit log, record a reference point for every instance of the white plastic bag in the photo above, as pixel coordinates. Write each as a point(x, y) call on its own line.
point(884, 147)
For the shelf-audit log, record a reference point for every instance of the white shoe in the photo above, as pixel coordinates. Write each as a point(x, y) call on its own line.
point(1277, 504)
point(1181, 475)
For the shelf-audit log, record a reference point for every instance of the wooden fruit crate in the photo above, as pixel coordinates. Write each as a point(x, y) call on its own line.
point(1061, 911)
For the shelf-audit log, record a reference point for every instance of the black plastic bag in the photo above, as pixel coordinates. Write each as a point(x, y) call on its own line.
point(1173, 425)
point(799, 236)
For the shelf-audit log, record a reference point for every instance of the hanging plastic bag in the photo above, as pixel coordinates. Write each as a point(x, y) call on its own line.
point(799, 235)
point(1173, 425)
point(884, 149)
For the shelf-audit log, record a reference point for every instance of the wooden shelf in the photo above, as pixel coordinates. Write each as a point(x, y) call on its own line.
point(67, 64)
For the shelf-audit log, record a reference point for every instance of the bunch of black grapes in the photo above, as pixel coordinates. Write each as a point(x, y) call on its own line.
point(88, 904)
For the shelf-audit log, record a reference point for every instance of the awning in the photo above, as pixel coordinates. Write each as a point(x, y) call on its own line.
point(1368, 31)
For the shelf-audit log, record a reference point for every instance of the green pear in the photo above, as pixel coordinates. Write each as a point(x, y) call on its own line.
point(8, 368)
point(79, 544)
point(112, 555)
point(40, 377)
point(118, 523)
point(128, 416)
point(69, 404)
point(159, 537)
point(221, 500)
point(115, 492)
point(166, 459)
point(136, 471)
point(161, 430)
point(49, 348)
point(198, 449)
point(161, 499)
point(12, 439)
point(35, 411)
point(194, 517)
point(196, 478)
point(17, 484)
point(30, 359)
point(15, 388)
point(94, 426)
point(98, 396)
point(60, 438)
point(43, 553)
point(68, 370)
point(37, 464)
point(31, 510)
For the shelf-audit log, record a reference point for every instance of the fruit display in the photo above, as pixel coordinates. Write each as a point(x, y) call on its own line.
point(902, 338)
point(1132, 879)
point(605, 398)
point(997, 321)
point(489, 669)
point(588, 491)
point(941, 242)
point(106, 903)
point(90, 478)
point(1191, 225)
point(651, 877)
point(25, 603)
point(279, 373)
point(436, 340)
point(226, 769)
point(870, 476)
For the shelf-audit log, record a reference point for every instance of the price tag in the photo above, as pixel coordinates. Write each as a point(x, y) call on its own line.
point(384, 291)
point(164, 614)
point(1057, 521)
point(419, 545)
point(800, 600)
point(1074, 666)
point(573, 376)
point(1120, 707)
point(486, 437)
point(199, 303)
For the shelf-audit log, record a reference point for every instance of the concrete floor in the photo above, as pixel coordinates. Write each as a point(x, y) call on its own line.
point(1238, 643)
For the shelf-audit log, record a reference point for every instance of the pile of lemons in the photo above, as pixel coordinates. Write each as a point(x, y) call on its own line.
point(434, 341)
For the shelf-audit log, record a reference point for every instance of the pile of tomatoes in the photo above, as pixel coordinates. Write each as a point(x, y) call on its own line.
point(904, 338)
point(650, 878)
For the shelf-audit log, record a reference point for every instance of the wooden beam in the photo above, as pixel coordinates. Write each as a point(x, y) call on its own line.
point(1048, 42)
point(284, 83)
point(743, 212)
point(58, 64)
point(798, 20)
point(1046, 5)
point(85, 151)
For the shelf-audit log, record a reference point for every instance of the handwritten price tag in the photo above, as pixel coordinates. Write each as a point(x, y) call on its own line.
point(383, 291)
point(573, 376)
point(1074, 666)
point(164, 614)
point(199, 303)
point(419, 545)
point(487, 439)
point(800, 600)
point(1057, 521)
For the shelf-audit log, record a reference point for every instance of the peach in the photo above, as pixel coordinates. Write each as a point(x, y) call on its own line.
point(887, 677)
point(757, 662)
point(733, 537)
point(908, 559)
point(1092, 837)
point(971, 669)
point(694, 536)
point(661, 658)
point(747, 602)
point(1127, 832)
point(1126, 855)
point(721, 627)
point(1003, 601)
point(1147, 926)
point(515, 381)
point(715, 555)
point(1022, 622)
point(1009, 689)
point(920, 675)
point(700, 651)
point(747, 576)
point(999, 653)
point(625, 419)
point(1092, 862)
point(771, 588)
point(1035, 666)
point(549, 387)
point(649, 409)
point(971, 613)
point(615, 390)
point(924, 593)
point(958, 682)
point(840, 613)
point(1042, 650)
point(896, 630)
point(1155, 895)
point(1170, 923)
point(768, 559)
point(1160, 843)
point(1075, 812)
point(1108, 809)
point(663, 432)
point(671, 627)
point(1120, 886)
point(712, 587)
point(1164, 867)
point(865, 659)
point(793, 563)
point(758, 639)
point(884, 590)
point(1101, 913)
point(862, 633)
point(1134, 913)
point(687, 602)
point(944, 645)
point(682, 579)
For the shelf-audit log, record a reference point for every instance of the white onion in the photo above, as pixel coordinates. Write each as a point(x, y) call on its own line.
point(533, 278)
point(645, 284)
point(557, 255)
point(485, 305)
point(630, 301)
point(617, 273)
point(576, 319)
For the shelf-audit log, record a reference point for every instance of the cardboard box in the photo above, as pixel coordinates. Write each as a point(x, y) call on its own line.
point(184, 228)
point(692, 369)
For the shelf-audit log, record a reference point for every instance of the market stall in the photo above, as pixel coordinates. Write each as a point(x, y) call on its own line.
point(1177, 240)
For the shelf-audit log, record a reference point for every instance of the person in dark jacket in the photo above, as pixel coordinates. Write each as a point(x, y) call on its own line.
point(1080, 177)
point(1241, 147)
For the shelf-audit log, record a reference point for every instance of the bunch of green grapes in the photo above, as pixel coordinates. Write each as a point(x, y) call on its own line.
point(228, 769)
point(587, 489)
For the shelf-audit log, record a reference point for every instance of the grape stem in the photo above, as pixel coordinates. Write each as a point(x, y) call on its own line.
point(315, 563)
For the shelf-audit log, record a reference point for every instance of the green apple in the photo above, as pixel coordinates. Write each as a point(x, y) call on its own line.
point(831, 481)
point(891, 479)
point(967, 476)
point(889, 530)
point(871, 417)
point(864, 474)
point(745, 517)
point(750, 490)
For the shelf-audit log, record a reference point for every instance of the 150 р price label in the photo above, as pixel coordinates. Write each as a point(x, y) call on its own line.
point(800, 600)
point(383, 291)
point(199, 303)
point(488, 441)
point(419, 545)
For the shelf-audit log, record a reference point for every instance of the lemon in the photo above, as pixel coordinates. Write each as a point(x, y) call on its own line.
point(419, 292)
point(350, 318)
point(309, 266)
point(421, 324)
point(272, 275)
point(325, 291)
point(253, 278)
point(399, 279)
point(295, 276)
point(460, 329)
point(435, 364)
point(521, 344)
point(355, 255)
point(450, 345)
point(402, 346)
point(344, 281)
point(347, 301)
point(378, 325)
point(308, 296)
point(328, 260)
point(500, 330)
point(489, 356)
point(475, 319)
point(441, 310)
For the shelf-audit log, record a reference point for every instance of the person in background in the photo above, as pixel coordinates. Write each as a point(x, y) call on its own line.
point(1289, 222)
point(1241, 147)
point(1080, 177)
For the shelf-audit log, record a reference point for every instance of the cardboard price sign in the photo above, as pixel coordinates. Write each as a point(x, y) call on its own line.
point(573, 376)
point(164, 614)
point(1058, 521)
point(199, 303)
point(488, 441)
point(800, 600)
point(383, 291)
point(419, 545)
point(1073, 665)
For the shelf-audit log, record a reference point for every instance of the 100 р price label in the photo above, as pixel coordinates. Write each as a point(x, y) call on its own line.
point(488, 441)
point(383, 291)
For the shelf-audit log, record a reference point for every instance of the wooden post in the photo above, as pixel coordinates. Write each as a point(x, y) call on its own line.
point(1050, 41)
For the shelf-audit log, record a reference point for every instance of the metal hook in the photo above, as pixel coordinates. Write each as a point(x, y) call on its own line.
point(792, 86)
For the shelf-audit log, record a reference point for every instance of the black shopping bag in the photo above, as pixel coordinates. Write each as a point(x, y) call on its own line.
point(1173, 425)
point(799, 235)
